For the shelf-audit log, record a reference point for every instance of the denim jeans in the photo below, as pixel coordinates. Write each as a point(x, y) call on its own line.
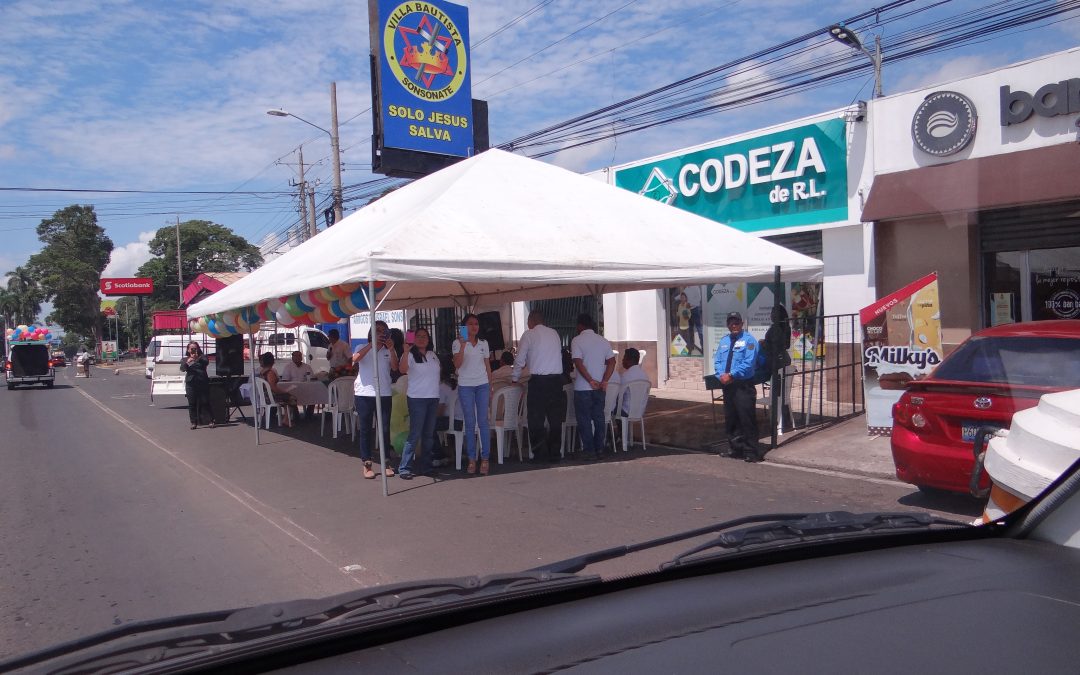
point(421, 432)
point(474, 407)
point(365, 408)
point(589, 410)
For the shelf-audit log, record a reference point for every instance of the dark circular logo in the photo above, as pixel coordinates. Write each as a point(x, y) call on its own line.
point(1065, 303)
point(944, 123)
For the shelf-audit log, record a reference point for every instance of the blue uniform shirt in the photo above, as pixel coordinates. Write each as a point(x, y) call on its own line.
point(742, 362)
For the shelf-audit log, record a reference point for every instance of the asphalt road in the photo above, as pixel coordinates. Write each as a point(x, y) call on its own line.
point(112, 510)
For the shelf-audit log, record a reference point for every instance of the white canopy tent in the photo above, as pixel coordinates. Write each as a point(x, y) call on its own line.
point(499, 228)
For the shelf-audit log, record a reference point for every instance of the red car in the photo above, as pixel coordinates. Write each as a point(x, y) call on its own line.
point(993, 374)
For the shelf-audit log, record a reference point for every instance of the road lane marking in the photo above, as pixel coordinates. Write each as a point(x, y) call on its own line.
point(244, 498)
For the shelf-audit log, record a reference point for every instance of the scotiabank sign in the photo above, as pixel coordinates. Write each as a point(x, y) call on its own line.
point(133, 286)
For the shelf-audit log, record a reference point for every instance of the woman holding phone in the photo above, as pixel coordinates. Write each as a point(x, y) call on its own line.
point(196, 383)
point(473, 364)
point(423, 369)
point(377, 353)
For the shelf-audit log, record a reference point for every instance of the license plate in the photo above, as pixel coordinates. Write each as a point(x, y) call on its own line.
point(968, 430)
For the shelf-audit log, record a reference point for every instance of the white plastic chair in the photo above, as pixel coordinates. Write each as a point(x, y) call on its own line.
point(340, 407)
point(569, 425)
point(266, 401)
point(787, 378)
point(508, 422)
point(637, 400)
point(612, 397)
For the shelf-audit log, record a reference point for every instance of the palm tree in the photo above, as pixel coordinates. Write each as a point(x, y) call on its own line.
point(26, 293)
point(8, 305)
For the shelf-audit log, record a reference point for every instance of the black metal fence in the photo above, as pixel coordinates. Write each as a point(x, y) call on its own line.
point(823, 384)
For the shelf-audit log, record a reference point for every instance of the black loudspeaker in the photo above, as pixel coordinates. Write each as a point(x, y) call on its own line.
point(230, 356)
point(491, 330)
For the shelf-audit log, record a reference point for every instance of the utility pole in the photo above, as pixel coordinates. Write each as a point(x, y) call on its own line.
point(311, 213)
point(303, 190)
point(179, 270)
point(335, 150)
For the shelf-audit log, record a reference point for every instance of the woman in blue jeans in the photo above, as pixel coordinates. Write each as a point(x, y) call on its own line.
point(379, 350)
point(422, 396)
point(472, 359)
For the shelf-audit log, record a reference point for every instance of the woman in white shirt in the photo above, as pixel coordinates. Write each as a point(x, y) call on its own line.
point(422, 398)
point(378, 347)
point(473, 364)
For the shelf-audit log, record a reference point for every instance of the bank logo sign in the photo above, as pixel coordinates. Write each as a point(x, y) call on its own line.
point(789, 178)
point(944, 123)
point(425, 90)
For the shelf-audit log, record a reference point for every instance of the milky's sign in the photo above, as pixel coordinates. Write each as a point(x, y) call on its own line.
point(792, 177)
point(425, 95)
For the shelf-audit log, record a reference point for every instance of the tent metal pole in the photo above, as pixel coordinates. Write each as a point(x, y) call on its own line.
point(372, 334)
point(254, 389)
point(776, 381)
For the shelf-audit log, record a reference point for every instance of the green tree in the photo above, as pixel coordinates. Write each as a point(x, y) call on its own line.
point(69, 267)
point(25, 296)
point(204, 247)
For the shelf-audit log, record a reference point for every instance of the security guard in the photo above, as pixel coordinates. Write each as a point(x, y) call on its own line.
point(735, 356)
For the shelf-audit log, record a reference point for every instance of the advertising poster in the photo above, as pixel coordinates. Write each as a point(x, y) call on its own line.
point(109, 350)
point(901, 343)
point(719, 300)
point(685, 320)
point(755, 301)
point(803, 312)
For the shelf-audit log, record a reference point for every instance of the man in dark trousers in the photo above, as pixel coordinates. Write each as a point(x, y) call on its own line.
point(540, 350)
point(735, 355)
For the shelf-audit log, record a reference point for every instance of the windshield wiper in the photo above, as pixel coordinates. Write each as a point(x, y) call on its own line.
point(201, 639)
point(777, 527)
point(826, 526)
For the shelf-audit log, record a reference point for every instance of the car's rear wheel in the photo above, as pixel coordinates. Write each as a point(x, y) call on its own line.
point(49, 384)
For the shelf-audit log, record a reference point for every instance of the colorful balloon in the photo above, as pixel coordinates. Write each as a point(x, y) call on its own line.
point(303, 301)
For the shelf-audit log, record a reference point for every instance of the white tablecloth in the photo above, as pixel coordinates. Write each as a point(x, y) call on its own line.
point(307, 393)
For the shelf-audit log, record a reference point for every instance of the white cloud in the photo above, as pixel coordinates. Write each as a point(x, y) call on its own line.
point(125, 260)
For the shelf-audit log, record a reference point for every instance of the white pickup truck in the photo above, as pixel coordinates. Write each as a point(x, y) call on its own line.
point(165, 353)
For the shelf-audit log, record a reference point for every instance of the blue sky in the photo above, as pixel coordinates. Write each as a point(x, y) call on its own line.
point(144, 95)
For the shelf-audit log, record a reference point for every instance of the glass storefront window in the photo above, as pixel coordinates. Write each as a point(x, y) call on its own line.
point(1055, 283)
point(1004, 274)
point(1033, 285)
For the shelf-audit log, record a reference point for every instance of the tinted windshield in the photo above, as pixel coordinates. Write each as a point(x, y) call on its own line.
point(1047, 362)
point(317, 339)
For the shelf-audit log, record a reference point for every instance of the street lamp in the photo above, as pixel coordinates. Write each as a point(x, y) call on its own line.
point(846, 36)
point(334, 145)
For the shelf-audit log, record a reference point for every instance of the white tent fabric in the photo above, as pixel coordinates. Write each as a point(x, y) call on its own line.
point(498, 228)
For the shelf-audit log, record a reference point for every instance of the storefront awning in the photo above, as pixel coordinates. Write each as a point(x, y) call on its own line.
point(1027, 177)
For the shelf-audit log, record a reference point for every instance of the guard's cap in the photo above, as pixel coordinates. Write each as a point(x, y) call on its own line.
point(734, 316)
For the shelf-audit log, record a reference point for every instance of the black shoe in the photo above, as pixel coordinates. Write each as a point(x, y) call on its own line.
point(733, 453)
point(753, 458)
point(588, 456)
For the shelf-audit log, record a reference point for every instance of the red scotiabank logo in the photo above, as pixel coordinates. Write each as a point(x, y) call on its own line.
point(134, 286)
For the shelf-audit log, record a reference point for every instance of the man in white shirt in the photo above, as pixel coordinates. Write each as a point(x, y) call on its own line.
point(540, 349)
point(595, 363)
point(337, 355)
point(632, 372)
point(298, 371)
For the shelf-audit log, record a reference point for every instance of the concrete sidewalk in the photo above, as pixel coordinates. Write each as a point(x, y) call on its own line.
point(688, 420)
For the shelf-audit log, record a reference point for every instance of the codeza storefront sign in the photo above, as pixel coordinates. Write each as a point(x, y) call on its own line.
point(792, 177)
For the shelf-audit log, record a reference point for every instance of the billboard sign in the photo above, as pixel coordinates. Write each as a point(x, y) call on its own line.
point(127, 286)
point(789, 178)
point(901, 343)
point(423, 83)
